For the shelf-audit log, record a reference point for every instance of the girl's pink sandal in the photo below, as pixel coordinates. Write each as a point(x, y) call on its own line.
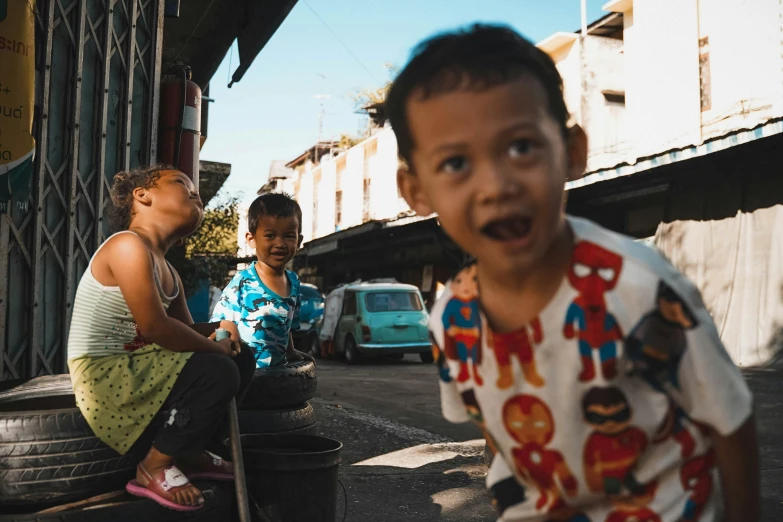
point(161, 489)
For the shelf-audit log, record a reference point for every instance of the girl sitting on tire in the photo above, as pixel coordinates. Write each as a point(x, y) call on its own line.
point(133, 349)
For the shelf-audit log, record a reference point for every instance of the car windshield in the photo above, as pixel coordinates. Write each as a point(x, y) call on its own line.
point(392, 301)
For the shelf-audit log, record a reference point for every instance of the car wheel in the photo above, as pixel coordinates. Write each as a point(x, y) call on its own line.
point(351, 352)
point(426, 357)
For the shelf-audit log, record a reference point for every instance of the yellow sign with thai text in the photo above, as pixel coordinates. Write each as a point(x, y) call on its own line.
point(17, 96)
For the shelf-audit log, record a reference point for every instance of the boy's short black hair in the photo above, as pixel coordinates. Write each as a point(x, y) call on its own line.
point(478, 57)
point(273, 204)
point(123, 185)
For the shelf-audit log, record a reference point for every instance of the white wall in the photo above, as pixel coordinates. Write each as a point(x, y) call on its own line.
point(385, 202)
point(746, 67)
point(604, 122)
point(325, 194)
point(663, 96)
point(305, 198)
point(353, 187)
point(567, 61)
point(662, 64)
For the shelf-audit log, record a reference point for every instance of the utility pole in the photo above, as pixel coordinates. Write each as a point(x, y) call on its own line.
point(584, 17)
point(583, 68)
point(321, 98)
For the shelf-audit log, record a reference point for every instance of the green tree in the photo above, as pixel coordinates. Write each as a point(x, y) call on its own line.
point(211, 252)
point(365, 97)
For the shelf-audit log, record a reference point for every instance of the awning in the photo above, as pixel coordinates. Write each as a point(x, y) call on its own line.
point(202, 34)
point(333, 242)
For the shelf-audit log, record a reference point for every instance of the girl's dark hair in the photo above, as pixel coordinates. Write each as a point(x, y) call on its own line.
point(478, 57)
point(122, 188)
point(273, 204)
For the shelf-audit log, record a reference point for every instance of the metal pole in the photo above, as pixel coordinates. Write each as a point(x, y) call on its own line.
point(584, 17)
point(239, 463)
point(236, 449)
point(583, 68)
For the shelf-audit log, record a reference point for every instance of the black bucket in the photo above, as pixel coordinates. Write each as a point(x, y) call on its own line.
point(292, 479)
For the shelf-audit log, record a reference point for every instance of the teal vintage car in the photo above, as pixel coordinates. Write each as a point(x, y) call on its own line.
point(379, 319)
point(311, 314)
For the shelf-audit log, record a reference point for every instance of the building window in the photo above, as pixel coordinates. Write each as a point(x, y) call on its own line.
point(704, 73)
point(614, 98)
point(338, 209)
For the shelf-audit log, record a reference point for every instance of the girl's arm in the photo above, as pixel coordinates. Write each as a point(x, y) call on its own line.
point(130, 264)
point(178, 309)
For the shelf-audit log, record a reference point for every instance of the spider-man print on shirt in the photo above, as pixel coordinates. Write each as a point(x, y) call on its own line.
point(594, 272)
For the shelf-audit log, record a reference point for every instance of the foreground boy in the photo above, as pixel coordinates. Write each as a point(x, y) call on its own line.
point(594, 368)
point(263, 300)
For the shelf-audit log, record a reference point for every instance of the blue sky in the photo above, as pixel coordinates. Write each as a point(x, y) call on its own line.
point(272, 113)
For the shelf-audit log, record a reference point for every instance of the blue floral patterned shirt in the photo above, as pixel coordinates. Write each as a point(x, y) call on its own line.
point(264, 319)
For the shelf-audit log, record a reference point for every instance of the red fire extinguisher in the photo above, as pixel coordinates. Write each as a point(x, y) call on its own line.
point(180, 123)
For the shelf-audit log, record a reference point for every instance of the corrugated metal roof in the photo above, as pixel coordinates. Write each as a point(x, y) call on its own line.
point(737, 137)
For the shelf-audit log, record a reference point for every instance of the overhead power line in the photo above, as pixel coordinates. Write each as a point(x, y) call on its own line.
point(337, 37)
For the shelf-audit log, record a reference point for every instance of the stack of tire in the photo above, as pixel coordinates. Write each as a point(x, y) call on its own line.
point(276, 402)
point(54, 468)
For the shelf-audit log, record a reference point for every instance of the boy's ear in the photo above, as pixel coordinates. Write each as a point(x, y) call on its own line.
point(251, 239)
point(142, 195)
point(411, 190)
point(577, 153)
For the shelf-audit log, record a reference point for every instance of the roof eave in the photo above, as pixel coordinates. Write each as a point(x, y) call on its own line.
point(618, 6)
point(557, 41)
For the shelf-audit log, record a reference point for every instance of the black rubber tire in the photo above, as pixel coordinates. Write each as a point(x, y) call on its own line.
point(46, 386)
point(281, 420)
point(49, 453)
point(426, 357)
point(352, 355)
point(281, 386)
point(217, 508)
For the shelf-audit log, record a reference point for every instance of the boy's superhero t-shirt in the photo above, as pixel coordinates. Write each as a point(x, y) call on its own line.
point(600, 408)
point(263, 318)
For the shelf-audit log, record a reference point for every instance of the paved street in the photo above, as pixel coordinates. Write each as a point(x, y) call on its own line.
point(403, 462)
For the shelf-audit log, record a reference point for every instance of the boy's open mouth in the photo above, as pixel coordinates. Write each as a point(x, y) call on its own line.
point(510, 228)
point(279, 255)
